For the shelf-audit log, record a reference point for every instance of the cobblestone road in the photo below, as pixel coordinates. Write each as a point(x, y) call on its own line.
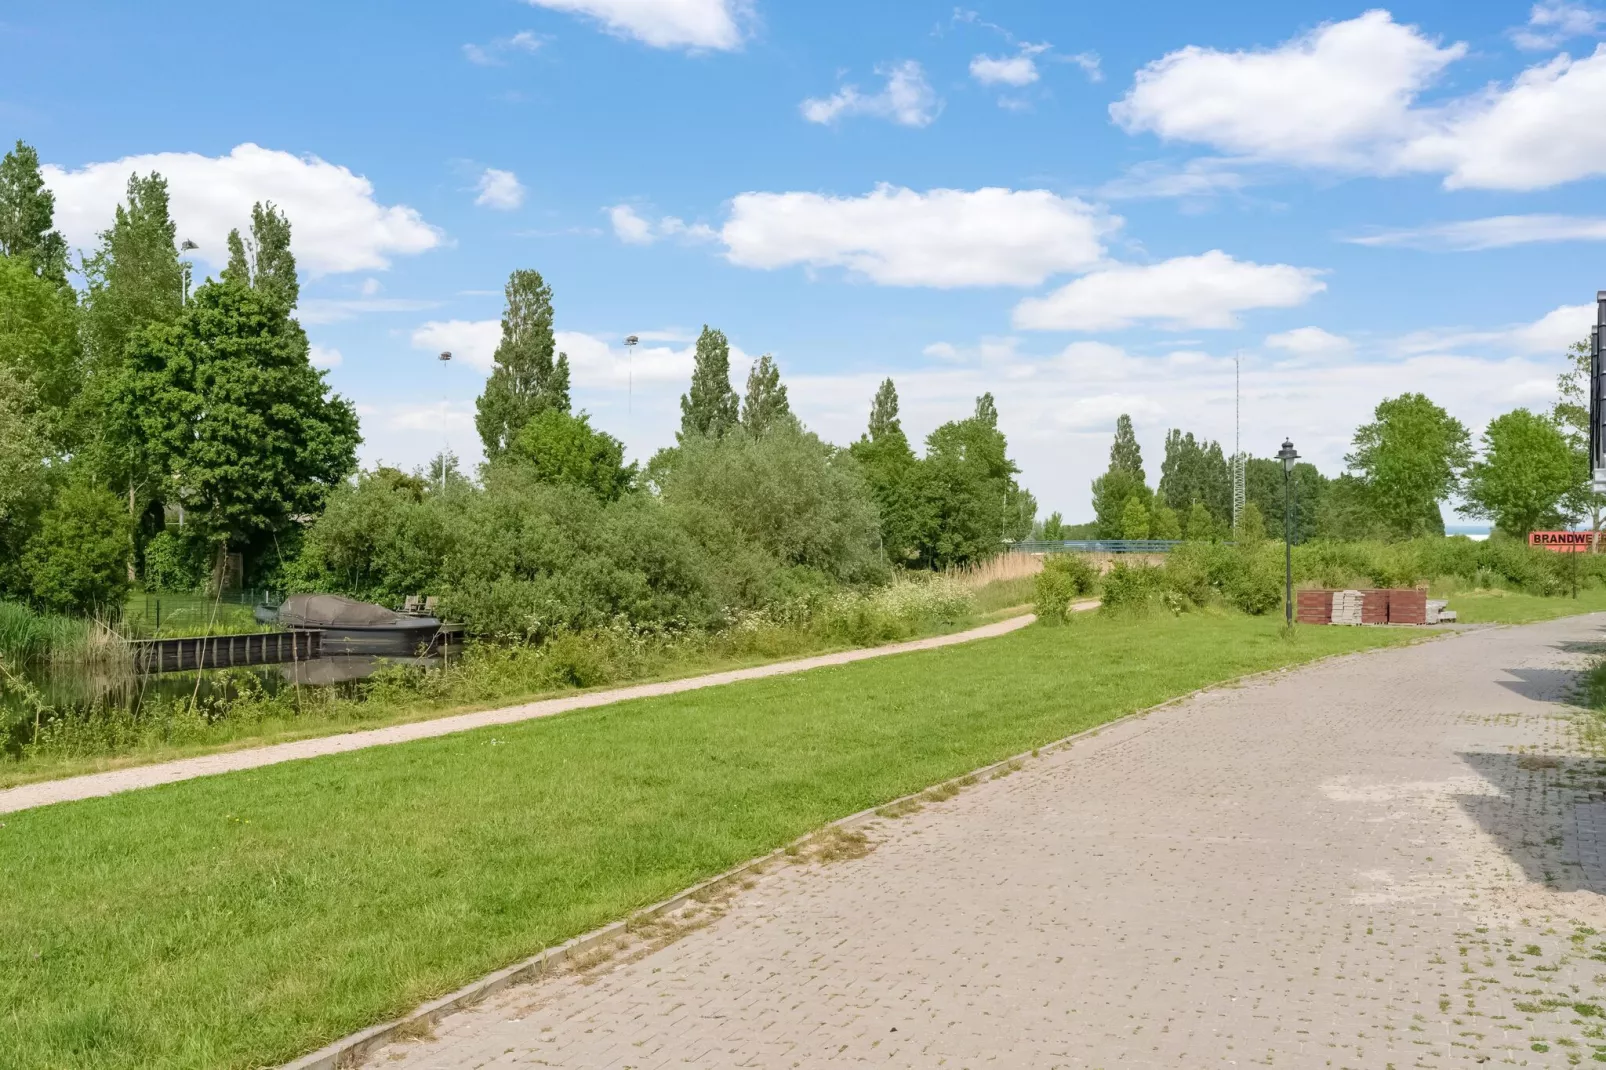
point(1388, 860)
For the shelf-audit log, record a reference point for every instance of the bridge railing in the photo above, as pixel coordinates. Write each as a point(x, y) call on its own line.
point(1098, 546)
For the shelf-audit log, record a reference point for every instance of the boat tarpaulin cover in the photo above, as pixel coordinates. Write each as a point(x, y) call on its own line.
point(337, 611)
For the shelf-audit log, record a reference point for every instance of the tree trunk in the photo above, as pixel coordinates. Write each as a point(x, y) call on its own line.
point(220, 566)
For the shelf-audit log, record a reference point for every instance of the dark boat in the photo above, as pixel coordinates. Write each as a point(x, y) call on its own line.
point(353, 627)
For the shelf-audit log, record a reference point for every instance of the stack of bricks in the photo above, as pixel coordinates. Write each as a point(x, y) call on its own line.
point(1346, 607)
point(1374, 607)
point(1378, 606)
point(1408, 607)
point(1313, 607)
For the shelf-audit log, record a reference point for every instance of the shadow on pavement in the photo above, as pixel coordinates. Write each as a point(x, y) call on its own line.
point(1549, 816)
point(1544, 685)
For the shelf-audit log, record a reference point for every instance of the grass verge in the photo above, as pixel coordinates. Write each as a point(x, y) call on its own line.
point(239, 920)
point(1516, 607)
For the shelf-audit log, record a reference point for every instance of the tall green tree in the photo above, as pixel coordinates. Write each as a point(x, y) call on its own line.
point(263, 260)
point(894, 474)
point(78, 560)
point(765, 404)
point(135, 280)
point(1121, 482)
point(1124, 452)
point(709, 408)
point(558, 447)
point(39, 345)
point(1523, 476)
point(1263, 485)
point(239, 423)
point(1195, 470)
point(26, 453)
point(1409, 458)
point(525, 379)
point(1571, 415)
point(971, 501)
point(27, 216)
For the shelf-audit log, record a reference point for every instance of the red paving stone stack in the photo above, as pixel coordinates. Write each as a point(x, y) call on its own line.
point(1375, 607)
point(1408, 607)
point(1313, 607)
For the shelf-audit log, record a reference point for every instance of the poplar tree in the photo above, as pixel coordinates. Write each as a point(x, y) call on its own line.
point(1121, 483)
point(765, 404)
point(893, 472)
point(27, 216)
point(709, 408)
point(525, 380)
point(264, 261)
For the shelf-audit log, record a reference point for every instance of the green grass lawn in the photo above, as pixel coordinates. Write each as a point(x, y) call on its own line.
point(241, 920)
point(1514, 607)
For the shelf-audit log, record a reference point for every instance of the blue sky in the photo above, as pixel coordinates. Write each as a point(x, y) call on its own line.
point(1086, 209)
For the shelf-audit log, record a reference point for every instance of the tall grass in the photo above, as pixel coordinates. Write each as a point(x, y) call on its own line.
point(28, 638)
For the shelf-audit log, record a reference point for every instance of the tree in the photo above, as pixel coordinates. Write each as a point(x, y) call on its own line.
point(1054, 527)
point(970, 501)
point(1571, 415)
point(264, 261)
point(1524, 475)
point(525, 380)
point(25, 476)
point(39, 345)
point(765, 404)
point(1201, 526)
point(559, 447)
point(709, 408)
point(1124, 452)
point(1135, 519)
point(894, 475)
point(239, 423)
point(27, 217)
point(1251, 525)
point(1195, 470)
point(78, 561)
point(1123, 481)
point(1409, 458)
point(1164, 523)
point(1263, 485)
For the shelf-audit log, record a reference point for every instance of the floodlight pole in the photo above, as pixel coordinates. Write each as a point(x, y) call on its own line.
point(445, 359)
point(1597, 395)
point(630, 372)
point(1288, 457)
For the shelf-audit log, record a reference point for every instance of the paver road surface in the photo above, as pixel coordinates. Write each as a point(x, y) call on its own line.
point(1390, 859)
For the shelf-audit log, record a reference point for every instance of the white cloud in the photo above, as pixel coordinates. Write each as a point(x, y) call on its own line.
point(1008, 70)
point(325, 356)
point(1089, 62)
point(1328, 97)
point(336, 223)
point(334, 310)
point(1552, 22)
point(1356, 109)
point(472, 341)
point(1186, 291)
point(1206, 176)
point(632, 229)
point(491, 55)
point(1311, 343)
point(1548, 127)
point(1495, 232)
point(1551, 334)
point(907, 99)
point(499, 189)
point(697, 24)
point(943, 237)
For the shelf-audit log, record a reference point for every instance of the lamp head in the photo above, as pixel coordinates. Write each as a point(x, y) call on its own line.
point(446, 356)
point(1287, 455)
point(630, 340)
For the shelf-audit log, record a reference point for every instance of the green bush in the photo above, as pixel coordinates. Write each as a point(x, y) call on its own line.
point(1064, 578)
point(175, 563)
point(1132, 588)
point(79, 559)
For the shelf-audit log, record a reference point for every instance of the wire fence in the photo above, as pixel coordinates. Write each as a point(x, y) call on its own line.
point(181, 613)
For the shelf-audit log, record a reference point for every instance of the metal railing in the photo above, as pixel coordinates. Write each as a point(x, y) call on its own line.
point(1097, 546)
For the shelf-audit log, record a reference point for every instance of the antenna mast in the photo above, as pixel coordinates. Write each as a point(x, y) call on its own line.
point(1237, 448)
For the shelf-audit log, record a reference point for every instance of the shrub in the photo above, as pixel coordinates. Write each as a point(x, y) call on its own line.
point(78, 561)
point(175, 563)
point(1131, 588)
point(1064, 577)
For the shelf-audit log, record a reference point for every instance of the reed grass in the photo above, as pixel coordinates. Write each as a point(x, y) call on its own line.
point(28, 637)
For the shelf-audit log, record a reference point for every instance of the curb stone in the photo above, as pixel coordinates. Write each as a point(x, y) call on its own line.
point(349, 1051)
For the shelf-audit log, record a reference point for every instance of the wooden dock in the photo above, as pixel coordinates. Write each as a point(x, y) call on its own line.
point(225, 651)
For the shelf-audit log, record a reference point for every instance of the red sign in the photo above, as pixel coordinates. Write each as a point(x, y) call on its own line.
point(1562, 542)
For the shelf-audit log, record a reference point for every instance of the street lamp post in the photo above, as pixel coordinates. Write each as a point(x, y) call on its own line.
point(1288, 457)
point(445, 359)
point(630, 372)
